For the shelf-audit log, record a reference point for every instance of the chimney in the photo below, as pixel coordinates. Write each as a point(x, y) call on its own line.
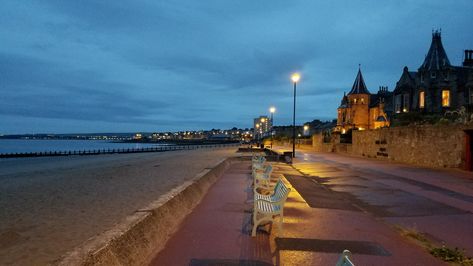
point(468, 62)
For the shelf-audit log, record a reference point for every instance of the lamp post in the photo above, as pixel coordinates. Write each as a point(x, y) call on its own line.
point(272, 109)
point(295, 78)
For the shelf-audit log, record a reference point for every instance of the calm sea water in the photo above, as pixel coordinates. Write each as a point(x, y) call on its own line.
point(20, 145)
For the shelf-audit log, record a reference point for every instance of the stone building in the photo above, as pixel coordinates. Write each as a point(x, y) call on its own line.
point(437, 86)
point(361, 110)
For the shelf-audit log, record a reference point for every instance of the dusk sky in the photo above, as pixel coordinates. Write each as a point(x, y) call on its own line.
point(117, 66)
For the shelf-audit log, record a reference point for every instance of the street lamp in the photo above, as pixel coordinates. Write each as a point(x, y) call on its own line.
point(295, 78)
point(272, 109)
point(257, 134)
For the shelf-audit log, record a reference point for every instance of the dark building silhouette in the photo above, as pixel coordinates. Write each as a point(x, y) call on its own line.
point(437, 86)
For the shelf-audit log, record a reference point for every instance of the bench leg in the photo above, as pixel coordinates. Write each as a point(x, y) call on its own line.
point(256, 223)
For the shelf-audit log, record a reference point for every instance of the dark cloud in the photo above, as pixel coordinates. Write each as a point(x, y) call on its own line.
point(170, 65)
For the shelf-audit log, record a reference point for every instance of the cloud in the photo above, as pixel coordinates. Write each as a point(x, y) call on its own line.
point(172, 65)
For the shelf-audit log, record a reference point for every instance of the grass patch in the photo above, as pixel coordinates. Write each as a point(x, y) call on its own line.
point(453, 256)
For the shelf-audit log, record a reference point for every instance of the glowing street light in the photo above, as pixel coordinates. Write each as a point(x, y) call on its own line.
point(272, 109)
point(295, 78)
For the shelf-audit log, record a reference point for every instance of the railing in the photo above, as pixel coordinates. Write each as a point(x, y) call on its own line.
point(112, 151)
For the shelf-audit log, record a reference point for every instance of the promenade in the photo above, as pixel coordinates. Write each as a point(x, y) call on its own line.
point(336, 202)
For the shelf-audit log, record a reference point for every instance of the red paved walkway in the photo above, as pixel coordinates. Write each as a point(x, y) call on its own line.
point(218, 230)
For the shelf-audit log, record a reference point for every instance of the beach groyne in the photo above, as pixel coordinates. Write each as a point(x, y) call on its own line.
point(115, 151)
point(138, 238)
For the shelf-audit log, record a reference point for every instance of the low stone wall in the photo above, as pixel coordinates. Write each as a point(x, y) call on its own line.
point(319, 145)
point(431, 146)
point(142, 235)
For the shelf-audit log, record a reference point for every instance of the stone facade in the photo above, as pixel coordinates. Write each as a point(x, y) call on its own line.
point(362, 110)
point(437, 86)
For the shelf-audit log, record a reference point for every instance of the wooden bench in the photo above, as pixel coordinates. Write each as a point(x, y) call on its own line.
point(268, 207)
point(345, 259)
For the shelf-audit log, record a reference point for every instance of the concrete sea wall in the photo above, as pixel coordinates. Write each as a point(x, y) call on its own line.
point(137, 239)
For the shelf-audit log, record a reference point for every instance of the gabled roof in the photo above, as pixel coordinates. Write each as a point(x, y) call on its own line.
point(359, 86)
point(406, 81)
point(436, 57)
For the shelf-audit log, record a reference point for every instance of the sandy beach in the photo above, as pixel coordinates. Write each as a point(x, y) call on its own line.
point(48, 206)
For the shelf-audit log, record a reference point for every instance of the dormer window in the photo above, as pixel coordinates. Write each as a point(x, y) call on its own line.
point(433, 75)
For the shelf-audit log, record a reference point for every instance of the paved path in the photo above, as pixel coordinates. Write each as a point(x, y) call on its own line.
point(437, 203)
point(317, 227)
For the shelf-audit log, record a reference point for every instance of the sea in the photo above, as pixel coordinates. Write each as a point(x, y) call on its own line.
point(30, 145)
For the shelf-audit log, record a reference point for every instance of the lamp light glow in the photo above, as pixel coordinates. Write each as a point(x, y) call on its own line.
point(272, 109)
point(295, 77)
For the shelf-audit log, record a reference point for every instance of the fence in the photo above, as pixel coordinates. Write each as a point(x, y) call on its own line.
point(112, 151)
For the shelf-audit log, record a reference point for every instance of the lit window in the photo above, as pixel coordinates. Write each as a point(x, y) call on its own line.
point(445, 98)
point(421, 99)
point(405, 105)
point(362, 100)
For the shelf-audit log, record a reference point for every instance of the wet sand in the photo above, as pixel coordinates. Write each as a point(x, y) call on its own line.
point(48, 206)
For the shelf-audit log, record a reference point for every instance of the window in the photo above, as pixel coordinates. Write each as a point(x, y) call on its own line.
point(397, 103)
point(445, 98)
point(433, 75)
point(362, 100)
point(471, 95)
point(422, 77)
point(405, 103)
point(421, 99)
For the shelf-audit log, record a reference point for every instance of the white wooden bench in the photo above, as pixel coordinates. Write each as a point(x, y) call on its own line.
point(269, 207)
point(345, 259)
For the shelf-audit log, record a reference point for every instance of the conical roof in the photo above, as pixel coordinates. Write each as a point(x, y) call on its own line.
point(436, 57)
point(359, 86)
